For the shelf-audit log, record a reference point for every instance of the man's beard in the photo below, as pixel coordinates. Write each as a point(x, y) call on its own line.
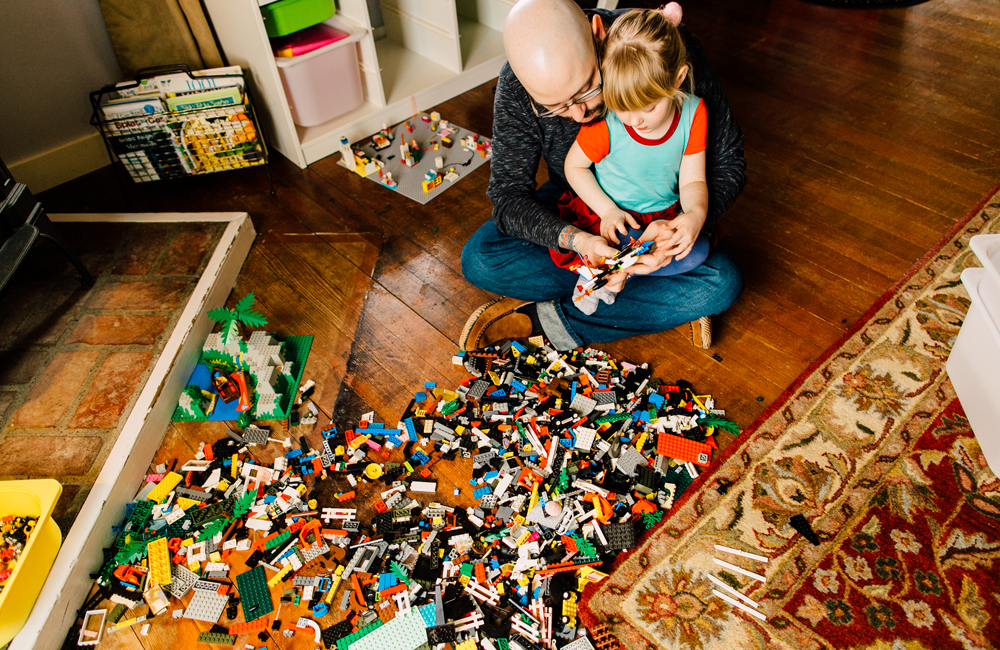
point(591, 115)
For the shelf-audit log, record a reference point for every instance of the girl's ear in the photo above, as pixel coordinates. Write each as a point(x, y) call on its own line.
point(597, 25)
point(682, 75)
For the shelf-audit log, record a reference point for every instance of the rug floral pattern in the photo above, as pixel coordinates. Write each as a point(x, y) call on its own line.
point(872, 448)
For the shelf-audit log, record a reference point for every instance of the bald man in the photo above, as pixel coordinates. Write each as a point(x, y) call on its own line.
point(550, 86)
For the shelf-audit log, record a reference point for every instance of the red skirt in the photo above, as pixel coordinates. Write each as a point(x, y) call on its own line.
point(575, 211)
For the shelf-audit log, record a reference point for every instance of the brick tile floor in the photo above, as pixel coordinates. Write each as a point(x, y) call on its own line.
point(73, 359)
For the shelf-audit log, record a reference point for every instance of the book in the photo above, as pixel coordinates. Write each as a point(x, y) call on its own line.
point(205, 99)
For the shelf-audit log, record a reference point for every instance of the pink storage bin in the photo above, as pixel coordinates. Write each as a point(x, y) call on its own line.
point(323, 84)
point(307, 40)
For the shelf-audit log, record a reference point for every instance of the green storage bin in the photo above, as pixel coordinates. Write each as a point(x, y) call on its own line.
point(287, 16)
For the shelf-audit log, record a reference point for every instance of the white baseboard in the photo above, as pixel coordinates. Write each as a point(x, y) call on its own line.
point(56, 166)
point(69, 581)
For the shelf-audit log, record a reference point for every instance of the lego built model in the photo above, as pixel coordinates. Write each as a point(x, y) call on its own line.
point(260, 372)
point(408, 169)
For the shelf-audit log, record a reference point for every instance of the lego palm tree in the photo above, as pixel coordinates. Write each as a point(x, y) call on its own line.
point(232, 319)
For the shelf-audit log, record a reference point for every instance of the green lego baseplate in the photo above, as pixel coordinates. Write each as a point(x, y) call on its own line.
point(217, 638)
point(255, 596)
point(345, 643)
point(297, 351)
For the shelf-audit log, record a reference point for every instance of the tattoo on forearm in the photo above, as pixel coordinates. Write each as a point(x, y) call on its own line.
point(566, 237)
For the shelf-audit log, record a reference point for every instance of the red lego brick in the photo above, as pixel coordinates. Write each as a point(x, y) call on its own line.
point(684, 450)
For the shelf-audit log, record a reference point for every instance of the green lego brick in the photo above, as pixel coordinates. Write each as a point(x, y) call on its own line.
point(202, 516)
point(297, 351)
point(612, 417)
point(344, 644)
point(216, 637)
point(255, 596)
point(274, 543)
point(140, 514)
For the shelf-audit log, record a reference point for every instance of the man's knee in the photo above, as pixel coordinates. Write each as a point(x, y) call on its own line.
point(728, 280)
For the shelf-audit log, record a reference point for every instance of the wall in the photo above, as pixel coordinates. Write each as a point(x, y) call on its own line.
point(54, 53)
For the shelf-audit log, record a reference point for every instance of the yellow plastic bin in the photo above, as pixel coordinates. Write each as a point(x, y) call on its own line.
point(32, 499)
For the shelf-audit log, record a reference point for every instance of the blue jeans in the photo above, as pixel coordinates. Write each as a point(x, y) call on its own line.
point(520, 269)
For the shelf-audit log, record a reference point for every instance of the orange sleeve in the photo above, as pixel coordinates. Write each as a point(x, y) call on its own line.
point(697, 141)
point(595, 140)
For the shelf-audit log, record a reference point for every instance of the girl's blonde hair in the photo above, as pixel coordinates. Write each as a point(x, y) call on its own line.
point(643, 53)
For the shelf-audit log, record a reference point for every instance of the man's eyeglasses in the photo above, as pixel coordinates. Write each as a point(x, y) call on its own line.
point(582, 99)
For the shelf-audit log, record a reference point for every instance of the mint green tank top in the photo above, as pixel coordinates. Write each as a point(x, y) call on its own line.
point(644, 177)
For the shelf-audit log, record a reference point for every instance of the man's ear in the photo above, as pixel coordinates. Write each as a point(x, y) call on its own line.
point(597, 25)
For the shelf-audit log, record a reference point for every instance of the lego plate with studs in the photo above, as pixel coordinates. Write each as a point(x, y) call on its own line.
point(419, 158)
point(366, 538)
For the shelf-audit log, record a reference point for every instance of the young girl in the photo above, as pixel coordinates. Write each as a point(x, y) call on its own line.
point(648, 154)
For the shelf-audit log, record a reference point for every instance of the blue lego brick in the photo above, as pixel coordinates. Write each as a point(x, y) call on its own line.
point(517, 346)
point(419, 457)
point(518, 386)
point(394, 440)
point(430, 385)
point(376, 425)
point(411, 429)
point(295, 453)
point(498, 393)
point(479, 493)
point(656, 400)
point(387, 581)
point(420, 396)
point(490, 475)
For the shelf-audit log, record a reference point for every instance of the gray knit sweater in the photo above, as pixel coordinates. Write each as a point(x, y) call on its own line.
point(520, 139)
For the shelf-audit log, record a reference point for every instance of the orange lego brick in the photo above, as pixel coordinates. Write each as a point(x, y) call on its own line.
point(252, 626)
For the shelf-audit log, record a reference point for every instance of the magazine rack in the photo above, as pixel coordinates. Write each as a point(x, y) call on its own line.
point(217, 135)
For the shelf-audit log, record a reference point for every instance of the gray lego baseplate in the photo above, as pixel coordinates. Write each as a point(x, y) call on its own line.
point(409, 179)
point(206, 606)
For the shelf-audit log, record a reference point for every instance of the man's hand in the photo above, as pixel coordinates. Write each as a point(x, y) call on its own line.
point(614, 223)
point(592, 248)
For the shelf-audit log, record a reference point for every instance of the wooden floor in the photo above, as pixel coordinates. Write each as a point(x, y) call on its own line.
point(868, 134)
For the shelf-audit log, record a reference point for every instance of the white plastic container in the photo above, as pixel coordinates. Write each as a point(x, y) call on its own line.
point(974, 363)
point(323, 84)
point(987, 249)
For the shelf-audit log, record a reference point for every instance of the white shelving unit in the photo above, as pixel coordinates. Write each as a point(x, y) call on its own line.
point(426, 52)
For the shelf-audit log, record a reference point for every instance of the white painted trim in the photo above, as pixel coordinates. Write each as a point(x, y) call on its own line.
point(64, 163)
point(69, 581)
point(147, 217)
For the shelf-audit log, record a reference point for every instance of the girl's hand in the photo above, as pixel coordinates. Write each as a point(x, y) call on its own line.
point(614, 222)
point(686, 227)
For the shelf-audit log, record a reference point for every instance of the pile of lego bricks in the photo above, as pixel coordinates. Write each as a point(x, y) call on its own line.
point(14, 533)
point(571, 455)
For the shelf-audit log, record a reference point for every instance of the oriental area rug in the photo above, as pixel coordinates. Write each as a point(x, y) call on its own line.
point(872, 447)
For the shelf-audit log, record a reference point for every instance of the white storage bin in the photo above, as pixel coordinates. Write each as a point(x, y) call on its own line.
point(974, 363)
point(323, 84)
point(987, 249)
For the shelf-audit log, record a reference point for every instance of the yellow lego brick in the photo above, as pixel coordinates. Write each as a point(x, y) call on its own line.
point(165, 487)
point(159, 561)
point(188, 541)
point(186, 503)
point(222, 486)
point(360, 440)
point(194, 566)
point(215, 557)
point(641, 441)
point(464, 580)
point(468, 644)
point(279, 576)
point(234, 466)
